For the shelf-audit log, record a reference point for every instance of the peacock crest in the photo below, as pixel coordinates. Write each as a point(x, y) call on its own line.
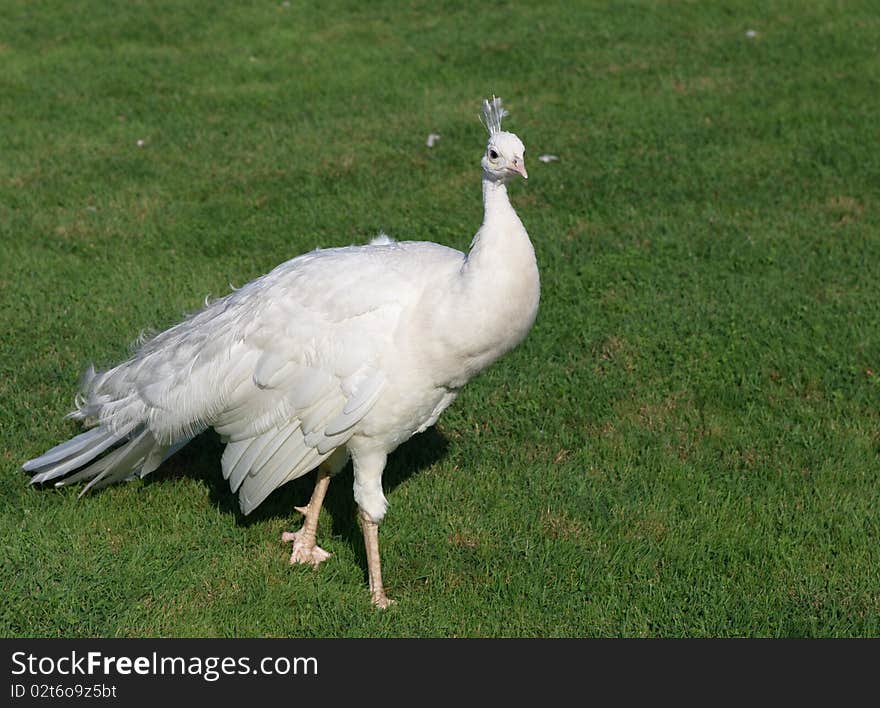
point(493, 112)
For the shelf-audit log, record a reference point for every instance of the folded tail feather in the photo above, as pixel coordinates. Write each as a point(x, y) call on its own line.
point(102, 457)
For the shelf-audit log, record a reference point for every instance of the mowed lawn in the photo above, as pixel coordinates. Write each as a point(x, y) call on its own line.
point(687, 444)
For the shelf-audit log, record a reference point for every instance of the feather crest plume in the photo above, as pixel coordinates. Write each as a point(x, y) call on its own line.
point(493, 112)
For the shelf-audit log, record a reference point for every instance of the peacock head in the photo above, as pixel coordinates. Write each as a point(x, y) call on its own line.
point(504, 156)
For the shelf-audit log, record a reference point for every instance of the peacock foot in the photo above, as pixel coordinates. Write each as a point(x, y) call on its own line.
point(381, 600)
point(304, 549)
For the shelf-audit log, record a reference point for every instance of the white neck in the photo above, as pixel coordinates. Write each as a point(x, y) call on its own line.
point(496, 204)
point(500, 224)
point(493, 300)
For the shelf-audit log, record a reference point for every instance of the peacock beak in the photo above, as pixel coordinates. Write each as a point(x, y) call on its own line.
point(519, 166)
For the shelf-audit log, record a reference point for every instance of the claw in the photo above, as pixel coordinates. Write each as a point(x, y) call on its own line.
point(303, 551)
point(302, 509)
point(381, 600)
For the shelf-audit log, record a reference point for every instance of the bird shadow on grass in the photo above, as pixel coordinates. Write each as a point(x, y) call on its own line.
point(201, 460)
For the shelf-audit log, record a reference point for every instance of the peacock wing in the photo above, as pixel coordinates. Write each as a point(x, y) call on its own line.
point(315, 368)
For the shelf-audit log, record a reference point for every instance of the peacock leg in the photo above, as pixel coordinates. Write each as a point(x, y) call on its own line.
point(305, 550)
point(374, 565)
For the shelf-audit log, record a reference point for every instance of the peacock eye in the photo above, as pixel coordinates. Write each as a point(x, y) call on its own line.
point(493, 154)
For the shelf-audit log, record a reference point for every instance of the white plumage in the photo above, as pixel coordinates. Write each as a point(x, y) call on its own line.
point(336, 353)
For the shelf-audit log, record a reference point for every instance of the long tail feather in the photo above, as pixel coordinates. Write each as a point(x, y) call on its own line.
point(65, 449)
point(102, 457)
point(78, 459)
point(128, 459)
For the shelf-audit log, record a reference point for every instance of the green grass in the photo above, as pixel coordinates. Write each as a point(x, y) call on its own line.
point(688, 443)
